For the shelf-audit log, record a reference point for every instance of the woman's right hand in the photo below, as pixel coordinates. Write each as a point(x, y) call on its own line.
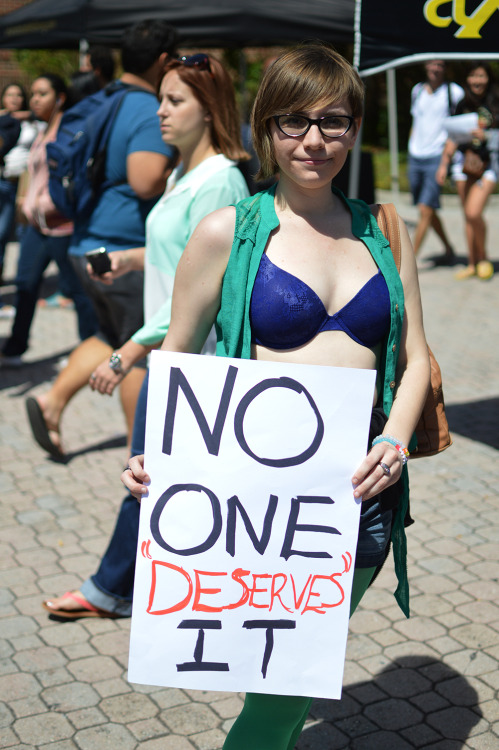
point(441, 174)
point(135, 477)
point(122, 262)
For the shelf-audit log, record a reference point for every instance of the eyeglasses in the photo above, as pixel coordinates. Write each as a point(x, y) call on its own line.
point(331, 126)
point(200, 61)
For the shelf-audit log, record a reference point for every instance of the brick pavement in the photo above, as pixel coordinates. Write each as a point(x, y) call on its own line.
point(427, 682)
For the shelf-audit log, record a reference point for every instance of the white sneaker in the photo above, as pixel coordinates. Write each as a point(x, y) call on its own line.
point(7, 312)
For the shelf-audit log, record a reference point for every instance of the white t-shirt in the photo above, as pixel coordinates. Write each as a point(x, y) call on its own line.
point(428, 112)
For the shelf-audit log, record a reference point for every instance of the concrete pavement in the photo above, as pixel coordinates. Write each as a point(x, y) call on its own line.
point(427, 682)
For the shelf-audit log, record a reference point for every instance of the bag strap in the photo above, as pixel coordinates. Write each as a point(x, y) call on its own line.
point(387, 218)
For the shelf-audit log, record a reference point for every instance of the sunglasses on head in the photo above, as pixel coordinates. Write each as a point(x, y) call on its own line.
point(200, 61)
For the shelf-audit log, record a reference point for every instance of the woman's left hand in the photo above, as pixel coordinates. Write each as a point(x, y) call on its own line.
point(479, 134)
point(381, 468)
point(104, 379)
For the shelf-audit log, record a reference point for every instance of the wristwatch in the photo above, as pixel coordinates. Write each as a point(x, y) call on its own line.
point(115, 363)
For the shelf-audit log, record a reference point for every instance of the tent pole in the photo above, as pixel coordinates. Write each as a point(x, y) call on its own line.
point(354, 167)
point(393, 129)
point(84, 47)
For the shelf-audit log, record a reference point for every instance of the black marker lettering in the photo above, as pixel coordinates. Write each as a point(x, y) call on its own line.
point(292, 385)
point(211, 438)
point(198, 665)
point(160, 505)
point(234, 504)
point(269, 626)
point(287, 547)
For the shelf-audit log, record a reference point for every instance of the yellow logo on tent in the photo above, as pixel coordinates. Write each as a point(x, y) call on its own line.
point(469, 26)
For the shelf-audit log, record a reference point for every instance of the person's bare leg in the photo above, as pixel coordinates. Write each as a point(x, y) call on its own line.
point(438, 228)
point(426, 214)
point(476, 201)
point(129, 393)
point(81, 363)
point(463, 188)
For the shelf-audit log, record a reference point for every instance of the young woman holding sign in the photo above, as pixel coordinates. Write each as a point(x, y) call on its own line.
point(300, 274)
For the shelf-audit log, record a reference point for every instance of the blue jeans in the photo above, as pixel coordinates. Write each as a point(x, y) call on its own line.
point(36, 252)
point(424, 186)
point(111, 588)
point(8, 191)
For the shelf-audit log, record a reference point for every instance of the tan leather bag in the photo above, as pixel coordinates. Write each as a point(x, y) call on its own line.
point(473, 165)
point(432, 430)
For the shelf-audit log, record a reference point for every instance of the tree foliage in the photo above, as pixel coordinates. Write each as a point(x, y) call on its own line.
point(33, 62)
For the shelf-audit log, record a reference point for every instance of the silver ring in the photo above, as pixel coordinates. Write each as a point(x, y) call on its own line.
point(385, 469)
point(92, 376)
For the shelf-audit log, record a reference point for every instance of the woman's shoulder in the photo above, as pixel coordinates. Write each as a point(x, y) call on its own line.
point(218, 225)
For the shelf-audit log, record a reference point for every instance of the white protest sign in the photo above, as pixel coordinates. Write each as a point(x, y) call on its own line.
point(248, 535)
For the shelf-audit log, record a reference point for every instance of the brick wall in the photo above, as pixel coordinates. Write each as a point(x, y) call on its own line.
point(9, 71)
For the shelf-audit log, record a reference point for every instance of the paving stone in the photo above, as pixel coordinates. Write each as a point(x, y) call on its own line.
point(64, 698)
point(116, 686)
point(112, 644)
point(393, 714)
point(89, 670)
point(13, 627)
point(17, 686)
point(86, 717)
point(39, 659)
point(318, 735)
point(213, 739)
point(105, 737)
point(476, 636)
point(381, 741)
point(44, 728)
point(486, 741)
point(175, 697)
point(128, 707)
point(6, 716)
point(9, 739)
point(62, 635)
point(355, 726)
point(27, 706)
point(420, 735)
point(190, 719)
point(51, 677)
point(453, 723)
point(402, 683)
point(229, 707)
point(147, 729)
point(167, 743)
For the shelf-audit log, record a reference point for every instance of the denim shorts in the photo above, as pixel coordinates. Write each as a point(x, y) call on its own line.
point(424, 187)
point(374, 535)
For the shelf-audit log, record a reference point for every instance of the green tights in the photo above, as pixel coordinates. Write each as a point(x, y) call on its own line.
point(274, 722)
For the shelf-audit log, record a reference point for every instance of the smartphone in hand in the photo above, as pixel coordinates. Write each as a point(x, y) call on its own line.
point(99, 260)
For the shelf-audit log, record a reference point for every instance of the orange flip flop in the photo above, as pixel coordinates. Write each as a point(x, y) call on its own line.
point(87, 609)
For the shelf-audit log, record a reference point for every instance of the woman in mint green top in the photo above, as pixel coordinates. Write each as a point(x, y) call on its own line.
point(198, 115)
point(300, 274)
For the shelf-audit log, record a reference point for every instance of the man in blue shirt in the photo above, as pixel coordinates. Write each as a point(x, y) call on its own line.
point(138, 164)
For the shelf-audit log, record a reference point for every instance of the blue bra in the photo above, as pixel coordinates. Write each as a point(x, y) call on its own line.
point(286, 313)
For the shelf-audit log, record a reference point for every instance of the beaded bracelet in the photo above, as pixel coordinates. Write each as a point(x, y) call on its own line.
point(404, 453)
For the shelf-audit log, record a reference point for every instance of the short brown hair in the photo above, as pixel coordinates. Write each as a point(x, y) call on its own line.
point(214, 90)
point(301, 79)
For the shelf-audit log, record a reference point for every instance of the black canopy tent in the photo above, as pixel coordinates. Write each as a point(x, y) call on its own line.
point(222, 23)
